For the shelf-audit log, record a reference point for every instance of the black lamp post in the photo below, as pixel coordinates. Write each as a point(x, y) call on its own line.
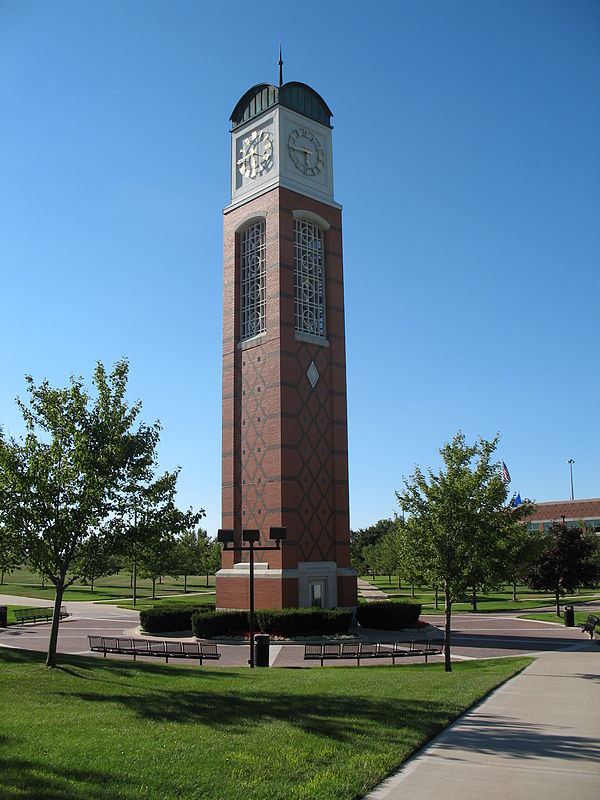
point(225, 537)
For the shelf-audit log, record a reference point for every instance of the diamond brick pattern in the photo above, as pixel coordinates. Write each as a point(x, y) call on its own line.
point(285, 460)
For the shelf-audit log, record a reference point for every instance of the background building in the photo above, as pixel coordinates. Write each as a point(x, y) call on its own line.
point(572, 511)
point(285, 450)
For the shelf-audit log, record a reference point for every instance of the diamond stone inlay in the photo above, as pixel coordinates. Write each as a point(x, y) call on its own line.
point(312, 373)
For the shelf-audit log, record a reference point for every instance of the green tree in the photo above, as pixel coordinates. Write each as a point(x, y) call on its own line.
point(62, 476)
point(363, 542)
point(455, 518)
point(519, 546)
point(212, 558)
point(568, 560)
point(190, 553)
point(138, 497)
point(95, 558)
point(159, 530)
point(11, 552)
point(410, 557)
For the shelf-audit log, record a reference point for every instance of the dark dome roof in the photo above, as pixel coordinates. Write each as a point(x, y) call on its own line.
point(294, 95)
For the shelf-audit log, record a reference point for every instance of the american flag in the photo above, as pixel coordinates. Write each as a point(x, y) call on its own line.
point(504, 473)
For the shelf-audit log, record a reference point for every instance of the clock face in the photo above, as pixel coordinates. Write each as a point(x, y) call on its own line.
point(306, 151)
point(256, 154)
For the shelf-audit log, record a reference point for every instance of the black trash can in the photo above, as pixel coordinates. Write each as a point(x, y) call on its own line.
point(569, 617)
point(3, 616)
point(262, 642)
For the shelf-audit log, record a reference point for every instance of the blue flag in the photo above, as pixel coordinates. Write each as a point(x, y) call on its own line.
point(517, 501)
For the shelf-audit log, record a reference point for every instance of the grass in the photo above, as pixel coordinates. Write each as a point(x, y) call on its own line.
point(23, 583)
point(550, 616)
point(497, 600)
point(95, 729)
point(10, 616)
point(148, 602)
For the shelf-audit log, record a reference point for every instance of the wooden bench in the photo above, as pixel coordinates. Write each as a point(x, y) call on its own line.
point(589, 625)
point(323, 651)
point(34, 614)
point(153, 647)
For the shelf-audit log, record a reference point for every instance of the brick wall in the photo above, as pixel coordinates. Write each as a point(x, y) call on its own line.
point(285, 451)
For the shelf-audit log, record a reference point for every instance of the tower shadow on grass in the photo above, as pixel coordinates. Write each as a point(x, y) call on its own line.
point(38, 780)
point(334, 716)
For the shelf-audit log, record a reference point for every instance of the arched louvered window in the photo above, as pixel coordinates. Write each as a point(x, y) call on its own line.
point(252, 280)
point(309, 268)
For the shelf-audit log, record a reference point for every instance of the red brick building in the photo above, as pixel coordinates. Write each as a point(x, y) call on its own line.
point(285, 450)
point(572, 511)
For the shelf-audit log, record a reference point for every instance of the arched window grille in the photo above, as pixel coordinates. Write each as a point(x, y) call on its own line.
point(252, 279)
point(309, 270)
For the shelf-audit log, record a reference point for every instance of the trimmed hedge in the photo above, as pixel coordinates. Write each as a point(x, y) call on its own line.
point(388, 615)
point(277, 621)
point(177, 617)
point(303, 621)
point(219, 623)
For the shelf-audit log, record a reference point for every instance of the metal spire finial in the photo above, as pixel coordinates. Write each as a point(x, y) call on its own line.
point(280, 67)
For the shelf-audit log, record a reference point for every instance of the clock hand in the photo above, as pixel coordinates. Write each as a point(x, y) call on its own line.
point(247, 156)
point(302, 150)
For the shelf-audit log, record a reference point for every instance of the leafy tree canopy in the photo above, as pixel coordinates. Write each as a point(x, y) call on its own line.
point(62, 478)
point(455, 519)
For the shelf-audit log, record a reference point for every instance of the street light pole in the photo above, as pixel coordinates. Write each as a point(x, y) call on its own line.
point(225, 537)
point(570, 462)
point(252, 654)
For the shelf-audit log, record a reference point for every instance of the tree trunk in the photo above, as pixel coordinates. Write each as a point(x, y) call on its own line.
point(154, 588)
point(185, 583)
point(412, 590)
point(207, 579)
point(51, 657)
point(92, 586)
point(160, 579)
point(474, 598)
point(514, 592)
point(447, 632)
point(557, 593)
point(131, 579)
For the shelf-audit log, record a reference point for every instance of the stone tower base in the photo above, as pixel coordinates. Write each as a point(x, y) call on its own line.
point(314, 583)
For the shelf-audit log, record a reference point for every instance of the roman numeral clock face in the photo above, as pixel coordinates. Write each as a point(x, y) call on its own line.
point(306, 151)
point(256, 154)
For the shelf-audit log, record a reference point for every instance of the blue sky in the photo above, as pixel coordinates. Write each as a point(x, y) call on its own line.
point(466, 156)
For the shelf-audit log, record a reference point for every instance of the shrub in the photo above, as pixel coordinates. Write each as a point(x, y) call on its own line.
point(219, 623)
point(171, 618)
point(303, 621)
point(387, 615)
point(277, 621)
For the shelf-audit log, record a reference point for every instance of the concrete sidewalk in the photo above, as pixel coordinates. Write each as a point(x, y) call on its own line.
point(537, 736)
point(370, 592)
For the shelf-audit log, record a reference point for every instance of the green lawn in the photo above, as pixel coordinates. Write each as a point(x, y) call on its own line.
point(497, 600)
point(24, 583)
point(11, 613)
point(98, 729)
point(199, 598)
point(550, 616)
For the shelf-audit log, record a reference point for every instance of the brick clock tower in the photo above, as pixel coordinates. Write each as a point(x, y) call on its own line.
point(285, 441)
